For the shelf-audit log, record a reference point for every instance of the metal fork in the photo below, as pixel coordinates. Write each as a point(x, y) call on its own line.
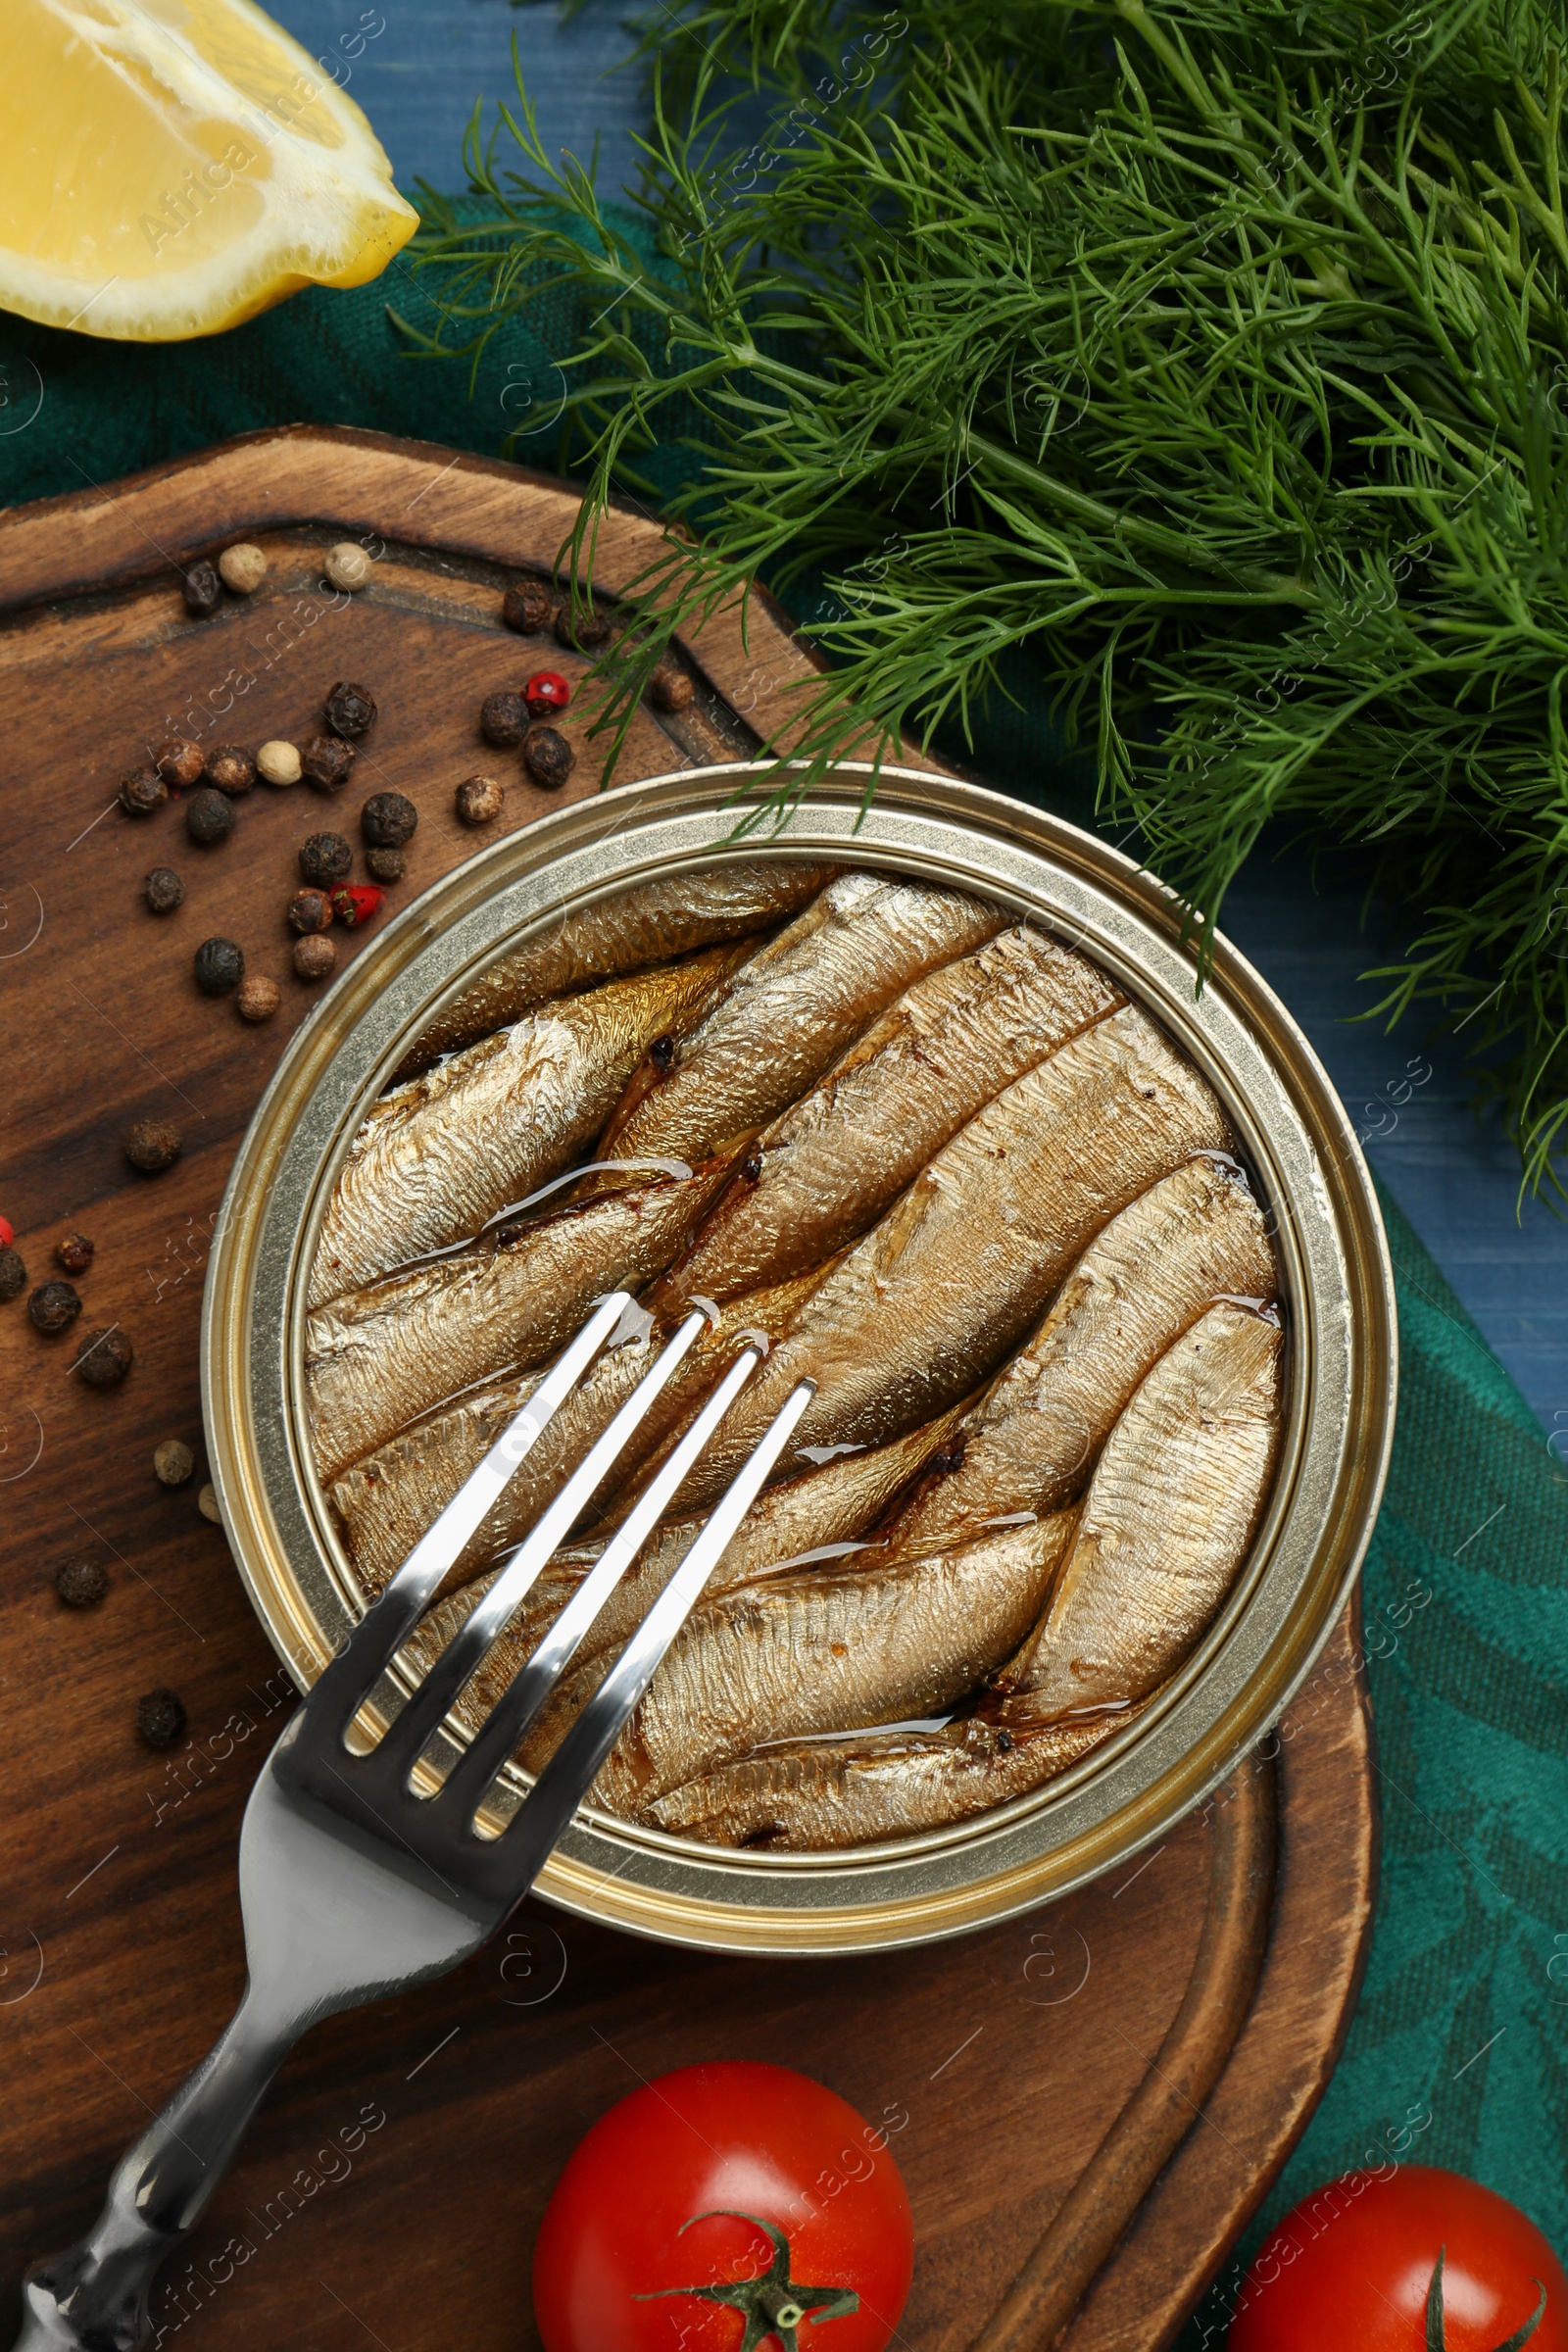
point(354, 1886)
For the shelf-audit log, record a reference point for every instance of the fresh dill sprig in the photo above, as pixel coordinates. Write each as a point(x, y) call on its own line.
point(1214, 351)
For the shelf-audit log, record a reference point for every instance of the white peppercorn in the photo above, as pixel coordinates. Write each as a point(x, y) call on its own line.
point(243, 567)
point(347, 566)
point(279, 763)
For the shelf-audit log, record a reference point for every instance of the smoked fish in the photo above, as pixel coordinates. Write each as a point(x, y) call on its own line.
point(958, 1270)
point(644, 925)
point(436, 1159)
point(819, 1794)
point(1170, 1512)
point(828, 1166)
point(788, 1011)
point(378, 1357)
point(384, 1502)
point(792, 1654)
point(824, 1507)
point(1196, 1236)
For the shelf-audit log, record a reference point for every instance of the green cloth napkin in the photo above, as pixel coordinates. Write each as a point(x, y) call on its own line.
point(1455, 2056)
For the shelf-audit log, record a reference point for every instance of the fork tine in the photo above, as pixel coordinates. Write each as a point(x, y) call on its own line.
point(375, 1641)
point(406, 1736)
point(527, 1693)
point(574, 1767)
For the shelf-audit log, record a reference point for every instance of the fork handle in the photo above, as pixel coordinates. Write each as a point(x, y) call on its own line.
point(93, 2297)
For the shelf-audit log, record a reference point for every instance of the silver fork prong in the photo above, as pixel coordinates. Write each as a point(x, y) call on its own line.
point(407, 1736)
point(527, 1693)
point(574, 1767)
point(386, 1625)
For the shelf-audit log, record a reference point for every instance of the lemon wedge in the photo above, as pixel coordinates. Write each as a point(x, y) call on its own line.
point(169, 167)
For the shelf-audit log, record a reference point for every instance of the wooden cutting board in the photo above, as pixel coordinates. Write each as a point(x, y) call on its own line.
point(1086, 2104)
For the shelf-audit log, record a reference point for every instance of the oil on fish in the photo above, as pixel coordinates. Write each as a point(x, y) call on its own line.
point(818, 1795)
point(436, 1160)
point(378, 1358)
point(962, 1264)
point(821, 1652)
point(790, 1009)
point(830, 1164)
point(1170, 1512)
point(819, 1513)
point(1196, 1236)
point(646, 924)
point(384, 1502)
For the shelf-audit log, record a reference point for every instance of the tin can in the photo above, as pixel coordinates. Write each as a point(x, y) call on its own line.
point(1305, 1161)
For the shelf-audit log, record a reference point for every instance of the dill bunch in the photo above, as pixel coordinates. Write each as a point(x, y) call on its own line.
point(1213, 352)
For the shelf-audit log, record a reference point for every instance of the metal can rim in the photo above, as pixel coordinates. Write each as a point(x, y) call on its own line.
point(1329, 1233)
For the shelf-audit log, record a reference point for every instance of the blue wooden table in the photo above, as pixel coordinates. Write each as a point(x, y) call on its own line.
point(1455, 1178)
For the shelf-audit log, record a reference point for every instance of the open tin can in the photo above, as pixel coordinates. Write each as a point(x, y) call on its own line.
point(1306, 1164)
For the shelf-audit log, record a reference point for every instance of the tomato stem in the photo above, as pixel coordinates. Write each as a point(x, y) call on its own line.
point(772, 2306)
point(1435, 2341)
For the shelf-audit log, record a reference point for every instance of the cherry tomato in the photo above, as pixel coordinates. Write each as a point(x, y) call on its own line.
point(724, 2205)
point(1351, 2269)
point(546, 691)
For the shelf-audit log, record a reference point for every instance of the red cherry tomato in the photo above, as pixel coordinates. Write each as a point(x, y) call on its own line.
point(1351, 2269)
point(623, 2227)
point(546, 691)
point(7, 1233)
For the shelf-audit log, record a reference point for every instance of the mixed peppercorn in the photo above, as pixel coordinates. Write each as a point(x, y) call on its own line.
point(520, 719)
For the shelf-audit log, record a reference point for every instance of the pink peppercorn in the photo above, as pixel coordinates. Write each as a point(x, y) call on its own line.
point(356, 903)
point(546, 691)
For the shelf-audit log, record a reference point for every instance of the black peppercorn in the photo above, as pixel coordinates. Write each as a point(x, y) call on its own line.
point(104, 1357)
point(153, 1144)
point(547, 757)
point(504, 719)
point(325, 858)
point(943, 1464)
point(204, 590)
point(325, 762)
point(81, 1584)
point(164, 890)
point(54, 1307)
point(13, 1273)
point(752, 1167)
point(209, 818)
point(349, 709)
point(73, 1252)
point(179, 762)
point(388, 819)
point(219, 966)
point(585, 629)
point(527, 608)
point(160, 1718)
point(232, 768)
point(386, 865)
point(661, 1053)
point(142, 791)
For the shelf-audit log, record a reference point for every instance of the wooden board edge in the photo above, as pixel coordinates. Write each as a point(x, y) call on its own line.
point(1088, 2229)
point(346, 478)
point(1306, 1993)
